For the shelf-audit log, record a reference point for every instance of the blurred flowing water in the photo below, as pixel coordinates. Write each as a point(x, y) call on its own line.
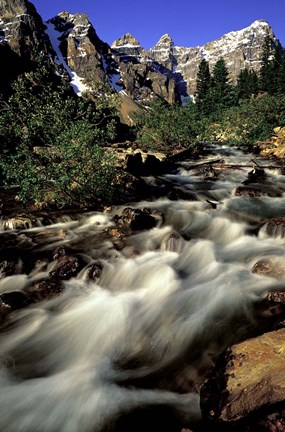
point(165, 306)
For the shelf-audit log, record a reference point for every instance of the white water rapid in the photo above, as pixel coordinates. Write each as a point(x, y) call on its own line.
point(165, 306)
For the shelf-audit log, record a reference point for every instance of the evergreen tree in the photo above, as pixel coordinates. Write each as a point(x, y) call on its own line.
point(278, 66)
point(267, 77)
point(203, 87)
point(247, 84)
point(221, 91)
point(281, 75)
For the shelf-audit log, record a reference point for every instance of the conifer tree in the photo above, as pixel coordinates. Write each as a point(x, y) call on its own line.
point(222, 92)
point(247, 84)
point(267, 78)
point(203, 87)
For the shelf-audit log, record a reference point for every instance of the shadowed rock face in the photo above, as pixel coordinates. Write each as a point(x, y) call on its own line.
point(22, 28)
point(22, 38)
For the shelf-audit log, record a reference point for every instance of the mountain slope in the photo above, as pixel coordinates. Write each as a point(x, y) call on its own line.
point(72, 45)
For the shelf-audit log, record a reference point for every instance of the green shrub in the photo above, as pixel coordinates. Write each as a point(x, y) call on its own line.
point(52, 144)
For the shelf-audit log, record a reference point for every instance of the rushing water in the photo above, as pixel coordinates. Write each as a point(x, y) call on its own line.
point(166, 305)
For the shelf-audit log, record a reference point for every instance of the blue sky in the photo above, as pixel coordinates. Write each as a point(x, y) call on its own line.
point(188, 22)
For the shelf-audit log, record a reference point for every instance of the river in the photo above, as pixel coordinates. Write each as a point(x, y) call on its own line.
point(143, 336)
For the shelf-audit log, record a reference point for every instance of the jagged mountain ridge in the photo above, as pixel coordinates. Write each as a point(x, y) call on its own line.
point(166, 71)
point(240, 49)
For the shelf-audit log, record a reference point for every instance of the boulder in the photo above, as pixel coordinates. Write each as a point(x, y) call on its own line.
point(248, 380)
point(138, 219)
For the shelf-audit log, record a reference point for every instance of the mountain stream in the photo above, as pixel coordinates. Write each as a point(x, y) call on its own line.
point(142, 336)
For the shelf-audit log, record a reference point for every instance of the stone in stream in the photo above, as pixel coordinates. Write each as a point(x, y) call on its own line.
point(246, 390)
point(275, 227)
point(66, 267)
point(138, 219)
point(247, 192)
point(272, 267)
point(255, 176)
point(12, 301)
point(45, 290)
point(94, 272)
point(7, 268)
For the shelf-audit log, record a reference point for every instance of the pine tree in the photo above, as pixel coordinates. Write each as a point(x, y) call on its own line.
point(247, 84)
point(203, 87)
point(267, 77)
point(281, 75)
point(243, 84)
point(222, 92)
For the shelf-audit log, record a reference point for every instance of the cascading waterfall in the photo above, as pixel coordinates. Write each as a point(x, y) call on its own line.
point(146, 333)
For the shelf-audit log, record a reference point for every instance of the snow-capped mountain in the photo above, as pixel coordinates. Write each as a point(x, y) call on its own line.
point(71, 44)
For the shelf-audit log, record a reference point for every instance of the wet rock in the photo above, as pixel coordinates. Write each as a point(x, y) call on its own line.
point(95, 272)
point(7, 268)
point(275, 227)
point(277, 296)
point(23, 222)
point(247, 192)
point(11, 301)
point(248, 378)
point(48, 235)
point(272, 267)
point(45, 290)
point(66, 267)
point(255, 176)
point(209, 173)
point(59, 252)
point(137, 219)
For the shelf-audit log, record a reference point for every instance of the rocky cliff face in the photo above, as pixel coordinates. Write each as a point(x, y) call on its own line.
point(76, 43)
point(22, 36)
point(165, 71)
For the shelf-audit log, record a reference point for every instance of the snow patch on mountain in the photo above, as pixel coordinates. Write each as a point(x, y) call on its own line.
point(76, 82)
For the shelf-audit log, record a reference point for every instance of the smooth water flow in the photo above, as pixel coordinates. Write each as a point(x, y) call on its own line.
point(164, 307)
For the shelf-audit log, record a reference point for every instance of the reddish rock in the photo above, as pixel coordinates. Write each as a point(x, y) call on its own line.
point(248, 379)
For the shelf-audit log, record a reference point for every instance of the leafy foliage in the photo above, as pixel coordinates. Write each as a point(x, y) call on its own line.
point(52, 143)
point(168, 127)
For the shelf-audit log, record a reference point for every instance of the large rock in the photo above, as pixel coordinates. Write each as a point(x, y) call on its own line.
point(248, 379)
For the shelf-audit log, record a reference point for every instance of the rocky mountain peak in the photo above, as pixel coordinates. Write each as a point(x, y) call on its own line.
point(10, 8)
point(165, 42)
point(127, 40)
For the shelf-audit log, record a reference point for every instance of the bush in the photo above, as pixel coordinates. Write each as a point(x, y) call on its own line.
point(252, 120)
point(167, 128)
point(53, 144)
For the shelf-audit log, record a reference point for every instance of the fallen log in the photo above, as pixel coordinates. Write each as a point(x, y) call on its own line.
point(219, 164)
